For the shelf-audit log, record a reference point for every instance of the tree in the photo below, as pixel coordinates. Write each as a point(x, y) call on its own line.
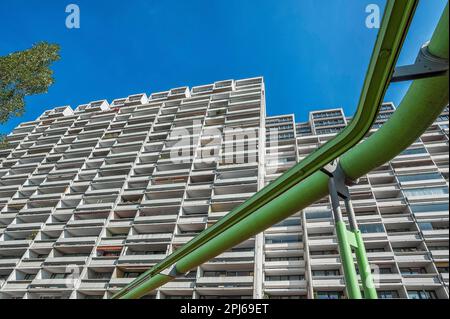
point(3, 142)
point(25, 73)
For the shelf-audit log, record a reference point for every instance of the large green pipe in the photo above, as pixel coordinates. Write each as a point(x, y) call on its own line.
point(421, 105)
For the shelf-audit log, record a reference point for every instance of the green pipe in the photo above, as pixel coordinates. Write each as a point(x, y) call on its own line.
point(397, 17)
point(364, 267)
point(343, 240)
point(345, 251)
point(154, 282)
point(422, 108)
point(439, 41)
point(419, 99)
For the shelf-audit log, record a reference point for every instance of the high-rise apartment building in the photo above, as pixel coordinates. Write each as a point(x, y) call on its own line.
point(92, 197)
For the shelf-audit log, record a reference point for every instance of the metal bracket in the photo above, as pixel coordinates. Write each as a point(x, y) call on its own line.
point(426, 65)
point(335, 171)
point(172, 272)
point(338, 188)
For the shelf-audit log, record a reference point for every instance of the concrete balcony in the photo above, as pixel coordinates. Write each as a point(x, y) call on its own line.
point(155, 219)
point(412, 258)
point(225, 281)
point(23, 243)
point(24, 226)
point(328, 282)
point(140, 259)
point(149, 237)
point(436, 234)
point(285, 246)
point(326, 261)
point(178, 286)
point(378, 256)
point(57, 283)
point(162, 202)
point(284, 264)
point(126, 207)
point(285, 284)
point(16, 285)
point(421, 281)
point(404, 237)
point(120, 281)
point(119, 223)
point(103, 261)
point(388, 278)
point(31, 263)
point(233, 197)
point(46, 196)
point(69, 260)
point(10, 262)
point(93, 284)
point(181, 240)
point(112, 242)
point(86, 222)
point(42, 244)
point(396, 220)
point(53, 227)
point(440, 255)
point(88, 240)
point(103, 191)
point(186, 220)
point(99, 206)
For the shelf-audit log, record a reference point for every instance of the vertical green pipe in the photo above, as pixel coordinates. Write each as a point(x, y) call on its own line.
point(361, 256)
point(345, 250)
point(351, 278)
point(364, 267)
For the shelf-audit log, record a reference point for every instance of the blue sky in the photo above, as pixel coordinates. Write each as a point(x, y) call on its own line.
point(312, 54)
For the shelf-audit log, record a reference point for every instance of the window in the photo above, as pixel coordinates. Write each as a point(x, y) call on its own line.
point(414, 151)
point(371, 228)
point(329, 122)
point(227, 273)
point(318, 215)
point(329, 295)
point(286, 136)
point(288, 222)
point(103, 275)
point(387, 294)
point(429, 208)
point(285, 278)
point(413, 192)
point(443, 270)
point(328, 130)
point(385, 270)
point(29, 277)
point(442, 118)
point(329, 272)
point(419, 177)
point(283, 239)
point(323, 252)
point(283, 258)
point(422, 294)
point(413, 271)
point(425, 226)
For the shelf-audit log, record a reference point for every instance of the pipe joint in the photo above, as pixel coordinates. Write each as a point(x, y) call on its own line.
point(426, 65)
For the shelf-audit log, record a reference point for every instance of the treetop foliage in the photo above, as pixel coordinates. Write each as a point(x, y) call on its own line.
point(25, 73)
